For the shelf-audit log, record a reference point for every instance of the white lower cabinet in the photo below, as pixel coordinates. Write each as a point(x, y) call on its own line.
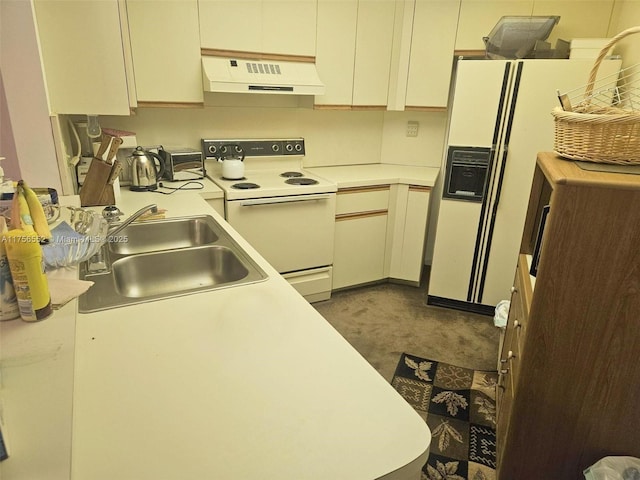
point(380, 233)
point(409, 233)
point(360, 235)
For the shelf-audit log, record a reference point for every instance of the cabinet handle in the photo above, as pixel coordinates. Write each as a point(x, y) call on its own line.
point(504, 371)
point(516, 324)
point(504, 360)
point(510, 355)
point(513, 289)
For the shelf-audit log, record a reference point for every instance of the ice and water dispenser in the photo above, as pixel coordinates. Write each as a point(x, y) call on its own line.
point(466, 173)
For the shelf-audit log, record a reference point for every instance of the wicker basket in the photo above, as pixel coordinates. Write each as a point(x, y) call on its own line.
point(597, 133)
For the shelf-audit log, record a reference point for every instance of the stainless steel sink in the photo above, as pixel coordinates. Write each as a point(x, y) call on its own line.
point(165, 235)
point(145, 275)
point(166, 258)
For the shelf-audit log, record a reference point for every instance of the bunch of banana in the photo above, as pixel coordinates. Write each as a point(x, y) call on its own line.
point(27, 212)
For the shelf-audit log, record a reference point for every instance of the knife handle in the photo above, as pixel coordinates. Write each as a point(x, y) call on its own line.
point(104, 143)
point(115, 144)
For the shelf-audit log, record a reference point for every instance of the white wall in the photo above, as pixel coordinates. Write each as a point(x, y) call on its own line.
point(333, 137)
point(626, 14)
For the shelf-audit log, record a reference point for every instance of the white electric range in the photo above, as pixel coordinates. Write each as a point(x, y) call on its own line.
point(286, 213)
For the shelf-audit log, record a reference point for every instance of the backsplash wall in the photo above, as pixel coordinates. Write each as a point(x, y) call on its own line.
point(332, 137)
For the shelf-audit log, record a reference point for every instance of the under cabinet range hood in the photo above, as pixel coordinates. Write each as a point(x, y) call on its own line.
point(231, 75)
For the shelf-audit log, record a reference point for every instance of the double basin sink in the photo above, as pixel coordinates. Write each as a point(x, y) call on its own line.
point(158, 259)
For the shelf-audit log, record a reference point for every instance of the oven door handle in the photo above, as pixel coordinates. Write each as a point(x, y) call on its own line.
point(276, 200)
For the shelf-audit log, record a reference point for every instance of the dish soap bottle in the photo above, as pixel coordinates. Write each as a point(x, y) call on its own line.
point(27, 270)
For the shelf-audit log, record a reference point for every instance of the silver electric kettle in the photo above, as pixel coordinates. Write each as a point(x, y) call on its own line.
point(146, 168)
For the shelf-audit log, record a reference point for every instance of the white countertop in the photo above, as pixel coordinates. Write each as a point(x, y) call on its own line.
point(239, 383)
point(348, 176)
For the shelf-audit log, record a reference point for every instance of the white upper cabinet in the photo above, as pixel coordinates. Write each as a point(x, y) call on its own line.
point(281, 27)
point(423, 52)
point(165, 47)
point(432, 50)
point(336, 50)
point(289, 27)
point(82, 52)
point(374, 39)
point(234, 25)
point(354, 46)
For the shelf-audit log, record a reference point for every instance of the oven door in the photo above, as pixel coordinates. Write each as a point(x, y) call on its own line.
point(292, 233)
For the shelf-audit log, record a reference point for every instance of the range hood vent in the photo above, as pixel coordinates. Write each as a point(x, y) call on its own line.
point(229, 75)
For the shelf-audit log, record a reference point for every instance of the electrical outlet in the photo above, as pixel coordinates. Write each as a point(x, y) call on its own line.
point(412, 129)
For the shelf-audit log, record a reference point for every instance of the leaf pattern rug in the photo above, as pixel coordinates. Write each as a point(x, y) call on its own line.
point(459, 406)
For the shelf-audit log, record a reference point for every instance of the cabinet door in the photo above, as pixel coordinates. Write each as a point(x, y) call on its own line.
point(336, 50)
point(167, 65)
point(289, 27)
point(82, 56)
point(231, 24)
point(359, 250)
point(431, 59)
point(407, 255)
point(374, 39)
point(282, 27)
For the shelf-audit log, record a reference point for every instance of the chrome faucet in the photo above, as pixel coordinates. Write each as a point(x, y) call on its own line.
point(153, 208)
point(98, 263)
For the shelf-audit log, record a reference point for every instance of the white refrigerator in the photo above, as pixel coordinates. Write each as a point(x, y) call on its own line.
point(500, 119)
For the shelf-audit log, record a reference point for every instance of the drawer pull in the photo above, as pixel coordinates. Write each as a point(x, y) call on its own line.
point(511, 355)
point(517, 324)
point(514, 290)
point(504, 371)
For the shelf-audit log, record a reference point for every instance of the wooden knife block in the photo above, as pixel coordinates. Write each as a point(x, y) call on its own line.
point(96, 189)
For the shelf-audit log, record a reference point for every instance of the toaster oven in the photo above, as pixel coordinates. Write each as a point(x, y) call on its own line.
point(182, 164)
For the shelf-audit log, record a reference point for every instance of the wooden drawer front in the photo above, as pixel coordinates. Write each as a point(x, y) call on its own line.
point(503, 412)
point(510, 352)
point(362, 199)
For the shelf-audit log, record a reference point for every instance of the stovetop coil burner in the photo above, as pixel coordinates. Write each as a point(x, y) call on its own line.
point(301, 181)
point(245, 186)
point(291, 174)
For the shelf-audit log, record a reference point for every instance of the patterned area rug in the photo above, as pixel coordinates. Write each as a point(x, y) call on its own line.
point(459, 406)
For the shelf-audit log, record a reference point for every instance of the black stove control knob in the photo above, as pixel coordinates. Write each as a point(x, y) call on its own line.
point(275, 148)
point(289, 147)
point(298, 147)
point(212, 149)
point(238, 149)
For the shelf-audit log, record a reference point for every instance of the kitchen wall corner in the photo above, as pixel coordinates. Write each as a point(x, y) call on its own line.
point(424, 150)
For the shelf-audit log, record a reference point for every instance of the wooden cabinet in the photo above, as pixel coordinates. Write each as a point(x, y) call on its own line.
point(279, 27)
point(354, 45)
point(165, 46)
point(570, 378)
point(409, 232)
point(360, 235)
point(83, 55)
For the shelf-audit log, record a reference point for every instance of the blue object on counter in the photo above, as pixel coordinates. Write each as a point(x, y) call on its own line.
point(66, 244)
